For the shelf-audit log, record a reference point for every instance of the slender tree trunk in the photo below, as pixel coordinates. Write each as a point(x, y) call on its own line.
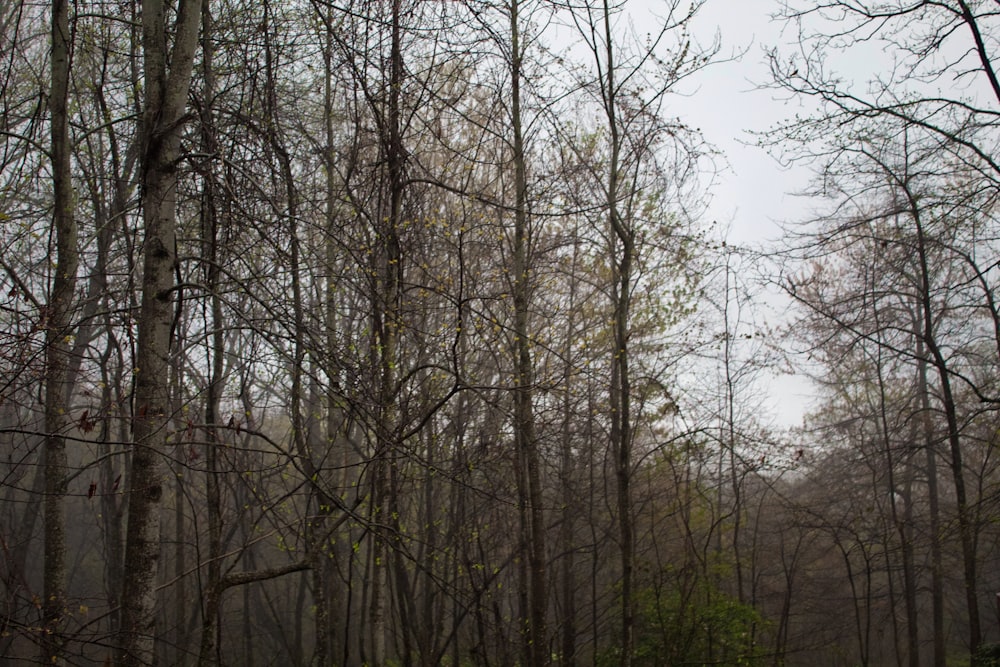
point(567, 529)
point(524, 420)
point(112, 431)
point(388, 329)
point(166, 93)
point(85, 330)
point(569, 583)
point(789, 565)
point(729, 438)
point(930, 462)
point(900, 521)
point(182, 611)
point(909, 569)
point(249, 647)
point(57, 342)
point(323, 591)
point(183, 618)
point(937, 358)
point(861, 607)
point(209, 650)
point(622, 250)
point(304, 429)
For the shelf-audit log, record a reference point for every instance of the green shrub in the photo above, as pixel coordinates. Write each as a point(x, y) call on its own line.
point(695, 626)
point(987, 655)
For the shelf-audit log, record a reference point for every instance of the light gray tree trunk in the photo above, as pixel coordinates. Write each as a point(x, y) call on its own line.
point(166, 91)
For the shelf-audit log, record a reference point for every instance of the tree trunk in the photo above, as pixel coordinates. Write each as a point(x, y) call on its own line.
point(388, 327)
point(211, 605)
point(323, 595)
point(934, 512)
point(567, 468)
point(524, 420)
point(901, 521)
point(937, 358)
point(166, 93)
point(57, 342)
point(622, 250)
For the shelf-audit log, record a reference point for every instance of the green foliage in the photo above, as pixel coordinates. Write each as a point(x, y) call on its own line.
point(678, 624)
point(987, 655)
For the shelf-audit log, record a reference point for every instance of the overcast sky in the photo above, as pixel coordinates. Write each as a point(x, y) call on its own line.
point(752, 195)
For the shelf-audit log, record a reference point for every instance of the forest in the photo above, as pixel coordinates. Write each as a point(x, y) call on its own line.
point(399, 333)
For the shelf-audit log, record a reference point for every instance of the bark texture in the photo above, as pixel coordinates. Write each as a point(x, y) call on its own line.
point(166, 91)
point(58, 340)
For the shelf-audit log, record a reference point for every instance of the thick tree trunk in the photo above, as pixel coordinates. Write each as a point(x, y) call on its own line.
point(166, 93)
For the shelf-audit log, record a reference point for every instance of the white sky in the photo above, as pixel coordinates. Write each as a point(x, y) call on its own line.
point(752, 195)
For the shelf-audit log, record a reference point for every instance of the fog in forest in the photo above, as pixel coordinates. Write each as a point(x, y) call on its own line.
point(466, 333)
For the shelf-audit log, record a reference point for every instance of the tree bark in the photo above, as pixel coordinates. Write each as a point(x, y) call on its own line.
point(937, 359)
point(622, 251)
point(57, 342)
point(532, 511)
point(166, 91)
point(388, 327)
point(933, 507)
point(209, 649)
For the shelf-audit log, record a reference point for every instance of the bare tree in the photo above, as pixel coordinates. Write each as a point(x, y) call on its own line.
point(168, 66)
point(631, 99)
point(954, 129)
point(57, 339)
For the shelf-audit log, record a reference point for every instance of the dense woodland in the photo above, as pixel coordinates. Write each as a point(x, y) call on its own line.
point(396, 332)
